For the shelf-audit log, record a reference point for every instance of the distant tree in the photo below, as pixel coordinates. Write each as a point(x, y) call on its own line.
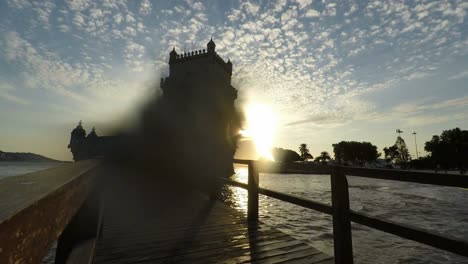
point(285, 155)
point(398, 153)
point(450, 149)
point(323, 158)
point(305, 154)
point(391, 153)
point(355, 152)
point(403, 153)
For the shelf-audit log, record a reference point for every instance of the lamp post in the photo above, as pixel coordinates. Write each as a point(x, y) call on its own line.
point(416, 144)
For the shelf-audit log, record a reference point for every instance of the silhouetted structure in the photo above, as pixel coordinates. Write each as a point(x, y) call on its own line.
point(193, 122)
point(90, 146)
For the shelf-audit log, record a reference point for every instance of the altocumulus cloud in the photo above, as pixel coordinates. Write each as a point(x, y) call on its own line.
point(303, 57)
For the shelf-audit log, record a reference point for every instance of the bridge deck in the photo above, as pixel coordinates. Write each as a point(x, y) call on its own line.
point(189, 228)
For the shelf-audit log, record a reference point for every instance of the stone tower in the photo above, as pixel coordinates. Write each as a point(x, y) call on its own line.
point(200, 68)
point(199, 91)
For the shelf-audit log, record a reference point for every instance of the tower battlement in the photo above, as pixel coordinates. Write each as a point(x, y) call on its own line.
point(209, 52)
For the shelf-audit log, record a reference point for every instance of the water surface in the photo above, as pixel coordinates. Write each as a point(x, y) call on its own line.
point(441, 209)
point(8, 169)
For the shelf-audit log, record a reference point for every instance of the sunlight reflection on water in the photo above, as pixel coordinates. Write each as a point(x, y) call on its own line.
point(434, 208)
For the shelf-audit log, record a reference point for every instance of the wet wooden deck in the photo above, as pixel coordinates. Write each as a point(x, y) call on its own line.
point(190, 228)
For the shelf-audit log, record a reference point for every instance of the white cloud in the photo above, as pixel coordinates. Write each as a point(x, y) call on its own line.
point(303, 3)
point(6, 90)
point(134, 56)
point(78, 20)
point(95, 13)
point(198, 6)
point(312, 13)
point(20, 4)
point(278, 55)
point(41, 71)
point(250, 7)
point(145, 7)
point(460, 75)
point(78, 5)
point(64, 28)
point(118, 18)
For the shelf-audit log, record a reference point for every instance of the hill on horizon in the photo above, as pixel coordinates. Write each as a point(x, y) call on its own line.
point(24, 156)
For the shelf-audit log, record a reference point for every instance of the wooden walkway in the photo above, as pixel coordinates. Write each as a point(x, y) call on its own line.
point(190, 228)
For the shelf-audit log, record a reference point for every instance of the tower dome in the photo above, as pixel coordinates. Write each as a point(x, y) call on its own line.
point(92, 134)
point(79, 131)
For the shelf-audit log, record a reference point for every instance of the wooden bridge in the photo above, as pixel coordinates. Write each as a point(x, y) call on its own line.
point(120, 224)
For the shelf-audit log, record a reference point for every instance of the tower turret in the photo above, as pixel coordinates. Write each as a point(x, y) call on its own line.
point(211, 46)
point(92, 135)
point(172, 55)
point(229, 65)
point(77, 141)
point(78, 134)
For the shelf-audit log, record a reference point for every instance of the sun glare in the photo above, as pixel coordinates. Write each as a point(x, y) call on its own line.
point(260, 129)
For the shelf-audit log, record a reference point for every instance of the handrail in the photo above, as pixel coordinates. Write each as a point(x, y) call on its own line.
point(39, 207)
point(343, 216)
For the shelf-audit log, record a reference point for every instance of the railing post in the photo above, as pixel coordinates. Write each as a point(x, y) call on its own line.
point(252, 207)
point(343, 242)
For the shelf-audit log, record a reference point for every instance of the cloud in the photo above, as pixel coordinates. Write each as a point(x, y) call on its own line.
point(312, 13)
point(301, 56)
point(78, 20)
point(78, 5)
point(20, 4)
point(460, 75)
point(303, 3)
point(42, 71)
point(250, 7)
point(63, 28)
point(145, 7)
point(6, 90)
point(423, 112)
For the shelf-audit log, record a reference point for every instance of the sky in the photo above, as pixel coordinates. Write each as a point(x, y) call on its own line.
point(330, 70)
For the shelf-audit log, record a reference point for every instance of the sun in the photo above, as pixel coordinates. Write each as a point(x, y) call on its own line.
point(261, 124)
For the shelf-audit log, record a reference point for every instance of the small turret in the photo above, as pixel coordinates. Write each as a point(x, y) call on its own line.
point(211, 46)
point(172, 55)
point(229, 65)
point(92, 135)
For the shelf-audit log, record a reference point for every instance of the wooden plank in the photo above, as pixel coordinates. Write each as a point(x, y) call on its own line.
point(188, 229)
point(36, 207)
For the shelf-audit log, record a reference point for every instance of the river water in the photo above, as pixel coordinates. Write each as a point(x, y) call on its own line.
point(441, 209)
point(8, 169)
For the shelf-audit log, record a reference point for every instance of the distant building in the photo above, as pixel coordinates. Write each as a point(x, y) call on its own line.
point(88, 146)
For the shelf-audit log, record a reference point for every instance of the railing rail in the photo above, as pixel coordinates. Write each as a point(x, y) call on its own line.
point(38, 208)
point(340, 209)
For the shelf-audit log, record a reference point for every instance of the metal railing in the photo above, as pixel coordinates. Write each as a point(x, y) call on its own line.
point(340, 210)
